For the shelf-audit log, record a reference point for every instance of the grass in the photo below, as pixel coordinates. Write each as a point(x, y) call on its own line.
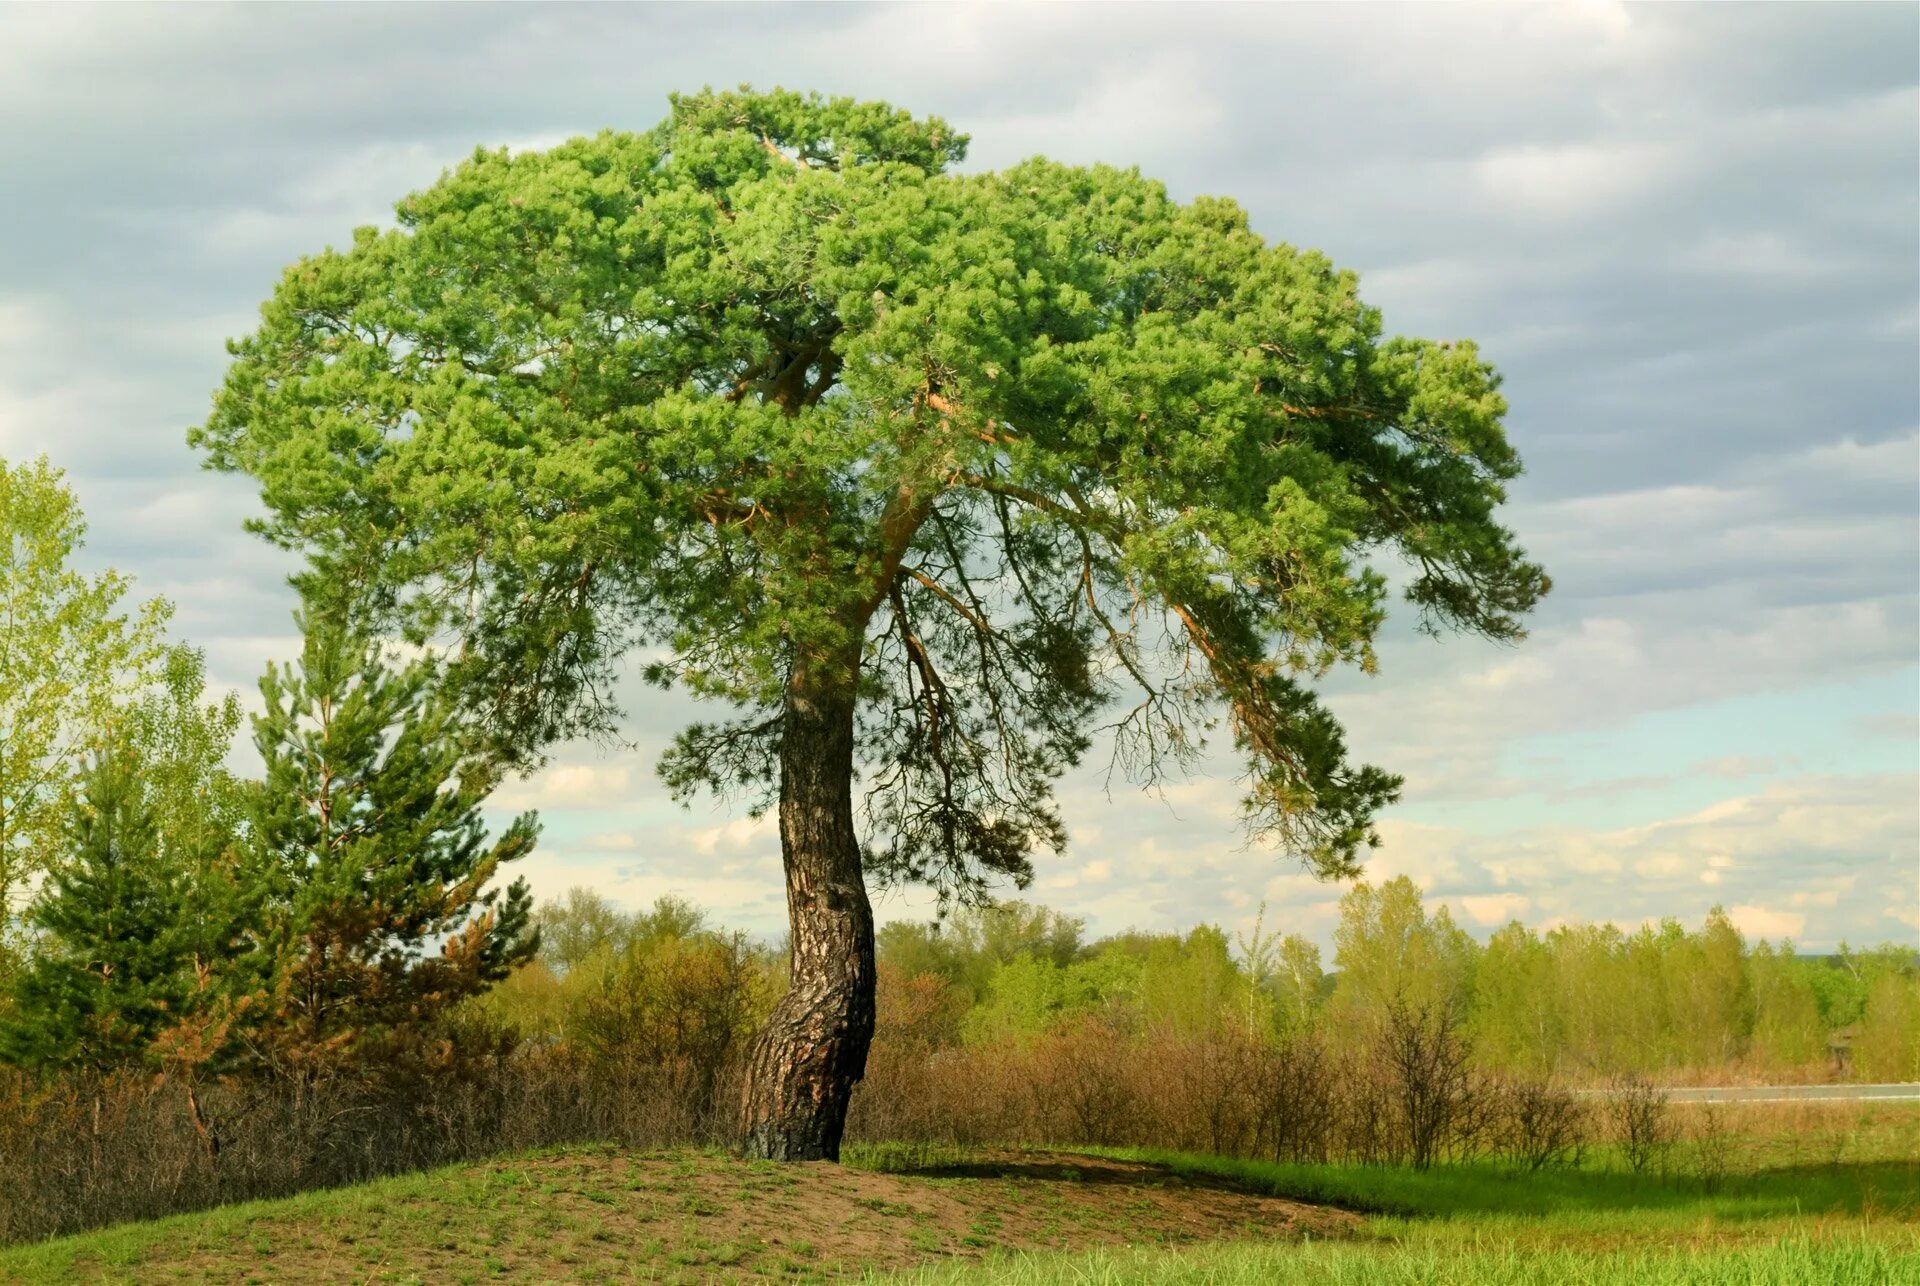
point(1880, 1189)
point(686, 1216)
point(1839, 1223)
point(1797, 1262)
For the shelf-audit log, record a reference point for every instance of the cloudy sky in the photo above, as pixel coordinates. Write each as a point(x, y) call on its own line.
point(1688, 236)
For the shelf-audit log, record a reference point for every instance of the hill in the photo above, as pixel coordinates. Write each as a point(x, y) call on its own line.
point(683, 1216)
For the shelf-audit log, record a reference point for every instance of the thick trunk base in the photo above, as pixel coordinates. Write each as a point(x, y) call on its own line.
point(813, 1050)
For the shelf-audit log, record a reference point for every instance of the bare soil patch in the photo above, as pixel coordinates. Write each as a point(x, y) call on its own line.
point(606, 1215)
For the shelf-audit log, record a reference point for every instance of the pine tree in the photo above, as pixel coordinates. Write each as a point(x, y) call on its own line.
point(126, 932)
point(911, 488)
point(368, 824)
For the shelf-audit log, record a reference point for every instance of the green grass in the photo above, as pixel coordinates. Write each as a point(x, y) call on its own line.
point(1486, 1224)
point(1878, 1189)
point(1842, 1261)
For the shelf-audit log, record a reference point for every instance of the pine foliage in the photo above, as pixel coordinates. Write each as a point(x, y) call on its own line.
point(368, 825)
point(131, 930)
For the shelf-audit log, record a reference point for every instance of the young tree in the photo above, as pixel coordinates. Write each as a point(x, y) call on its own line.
point(137, 929)
point(368, 823)
point(1787, 1030)
point(69, 653)
point(1887, 1047)
point(580, 926)
point(1191, 987)
point(181, 742)
point(914, 469)
point(1299, 984)
point(1516, 1022)
point(1390, 952)
point(1709, 994)
point(1284, 978)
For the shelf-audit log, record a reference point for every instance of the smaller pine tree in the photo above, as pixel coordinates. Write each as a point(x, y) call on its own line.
point(368, 823)
point(129, 931)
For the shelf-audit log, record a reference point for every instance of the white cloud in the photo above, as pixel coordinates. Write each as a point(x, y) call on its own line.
point(749, 902)
point(1575, 181)
point(567, 786)
point(742, 834)
point(1495, 908)
point(1759, 922)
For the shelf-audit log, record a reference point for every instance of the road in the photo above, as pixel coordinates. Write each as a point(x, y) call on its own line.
point(1795, 1094)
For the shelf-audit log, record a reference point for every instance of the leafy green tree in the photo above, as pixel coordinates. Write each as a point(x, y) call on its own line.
point(1190, 986)
point(368, 824)
point(1787, 1030)
point(970, 944)
point(1024, 998)
point(1888, 1045)
point(1641, 1022)
point(1390, 952)
point(1709, 994)
point(914, 469)
point(137, 930)
point(1299, 984)
point(1516, 1018)
point(1030, 995)
point(69, 654)
point(679, 1001)
point(579, 926)
point(181, 742)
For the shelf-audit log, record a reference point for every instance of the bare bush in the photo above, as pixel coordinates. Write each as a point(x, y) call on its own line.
point(1542, 1124)
point(1640, 1121)
point(1295, 1100)
point(86, 1151)
point(1199, 1092)
point(1713, 1147)
point(1084, 1085)
point(1425, 1056)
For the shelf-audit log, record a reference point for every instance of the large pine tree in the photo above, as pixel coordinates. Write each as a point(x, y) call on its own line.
point(913, 469)
point(368, 824)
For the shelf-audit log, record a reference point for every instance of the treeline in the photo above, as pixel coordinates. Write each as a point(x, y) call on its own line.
point(1000, 1025)
point(1581, 1003)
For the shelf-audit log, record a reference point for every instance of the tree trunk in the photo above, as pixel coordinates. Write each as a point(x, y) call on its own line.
point(813, 1050)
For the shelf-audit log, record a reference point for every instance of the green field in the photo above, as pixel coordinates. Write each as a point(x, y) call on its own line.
point(1795, 1262)
point(1781, 1223)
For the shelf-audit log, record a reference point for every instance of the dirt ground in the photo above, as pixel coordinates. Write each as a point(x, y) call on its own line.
point(607, 1215)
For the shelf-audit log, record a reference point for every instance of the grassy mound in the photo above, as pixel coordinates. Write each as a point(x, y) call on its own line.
point(605, 1214)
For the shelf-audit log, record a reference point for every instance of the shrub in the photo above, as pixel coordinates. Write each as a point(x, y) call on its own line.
point(1542, 1124)
point(1425, 1057)
point(1640, 1121)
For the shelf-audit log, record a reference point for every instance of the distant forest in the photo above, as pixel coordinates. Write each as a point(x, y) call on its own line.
point(1582, 1002)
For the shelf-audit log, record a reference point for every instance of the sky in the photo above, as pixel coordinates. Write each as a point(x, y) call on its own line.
point(1688, 237)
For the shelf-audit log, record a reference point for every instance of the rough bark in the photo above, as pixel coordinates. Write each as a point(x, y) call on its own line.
point(813, 1050)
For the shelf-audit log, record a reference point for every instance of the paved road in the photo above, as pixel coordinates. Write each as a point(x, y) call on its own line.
point(1795, 1093)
